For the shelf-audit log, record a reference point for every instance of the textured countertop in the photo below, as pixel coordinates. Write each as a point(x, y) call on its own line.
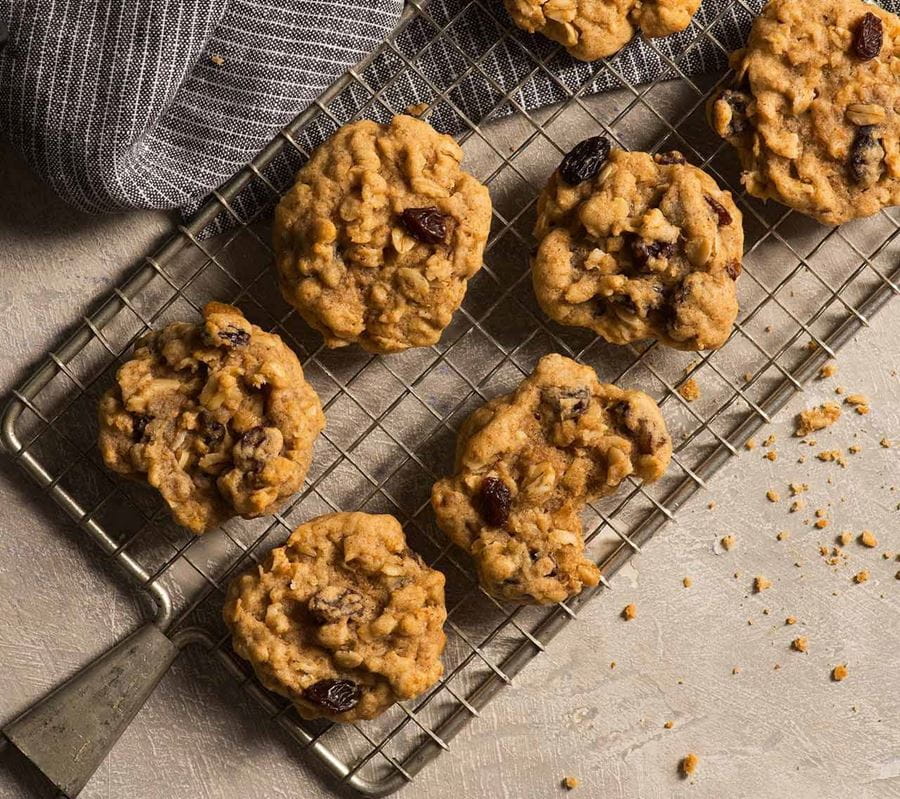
point(779, 726)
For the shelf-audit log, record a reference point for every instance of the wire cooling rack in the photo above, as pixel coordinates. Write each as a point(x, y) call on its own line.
point(392, 420)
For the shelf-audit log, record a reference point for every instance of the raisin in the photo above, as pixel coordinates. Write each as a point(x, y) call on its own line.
point(671, 157)
point(569, 403)
point(428, 225)
point(233, 336)
point(738, 101)
point(495, 500)
point(334, 695)
point(866, 155)
point(333, 603)
point(584, 160)
point(644, 250)
point(625, 303)
point(868, 37)
point(720, 210)
point(634, 428)
point(733, 269)
point(256, 448)
point(139, 424)
point(211, 432)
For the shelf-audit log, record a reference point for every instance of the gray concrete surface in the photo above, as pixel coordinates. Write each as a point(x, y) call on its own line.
point(777, 727)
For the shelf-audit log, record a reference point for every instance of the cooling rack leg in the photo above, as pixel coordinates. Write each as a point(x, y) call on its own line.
point(69, 732)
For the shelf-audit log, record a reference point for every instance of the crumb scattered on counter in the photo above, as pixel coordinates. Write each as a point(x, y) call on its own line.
point(761, 583)
point(571, 783)
point(771, 455)
point(711, 504)
point(897, 576)
point(854, 449)
point(798, 488)
point(669, 724)
point(839, 672)
point(828, 370)
point(777, 666)
point(790, 620)
point(612, 665)
point(216, 59)
point(416, 110)
point(832, 456)
point(689, 390)
point(800, 644)
point(887, 555)
point(818, 418)
point(689, 763)
point(770, 440)
point(736, 670)
point(886, 443)
point(845, 538)
point(728, 542)
point(629, 612)
point(868, 539)
point(821, 524)
point(751, 443)
point(839, 390)
point(773, 496)
point(748, 376)
point(797, 504)
point(861, 577)
point(783, 535)
point(687, 582)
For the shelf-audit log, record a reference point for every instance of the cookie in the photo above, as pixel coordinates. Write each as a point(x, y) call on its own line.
point(378, 237)
point(814, 111)
point(592, 29)
point(343, 620)
point(527, 462)
point(217, 417)
point(636, 246)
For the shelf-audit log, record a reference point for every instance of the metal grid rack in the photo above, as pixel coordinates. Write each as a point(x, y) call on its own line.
point(392, 420)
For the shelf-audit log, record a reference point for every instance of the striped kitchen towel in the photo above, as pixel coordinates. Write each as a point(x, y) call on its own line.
point(153, 103)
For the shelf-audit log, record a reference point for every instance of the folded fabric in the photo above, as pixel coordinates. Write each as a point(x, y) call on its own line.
point(153, 103)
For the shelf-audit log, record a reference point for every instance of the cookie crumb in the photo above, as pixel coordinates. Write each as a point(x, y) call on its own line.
point(216, 59)
point(790, 620)
point(797, 504)
point(416, 110)
point(748, 377)
point(629, 612)
point(689, 390)
point(854, 449)
point(856, 399)
point(751, 443)
point(669, 724)
point(770, 440)
point(861, 577)
point(771, 455)
point(773, 496)
point(818, 418)
point(886, 443)
point(612, 664)
point(760, 583)
point(687, 582)
point(839, 672)
point(868, 539)
point(839, 390)
point(783, 535)
point(570, 783)
point(832, 456)
point(821, 524)
point(736, 670)
point(728, 542)
point(800, 644)
point(845, 538)
point(688, 764)
point(798, 488)
point(710, 505)
point(828, 370)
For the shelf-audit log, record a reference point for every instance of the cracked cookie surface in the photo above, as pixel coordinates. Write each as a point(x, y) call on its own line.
point(814, 112)
point(218, 417)
point(635, 246)
point(378, 237)
point(592, 29)
point(527, 462)
point(343, 620)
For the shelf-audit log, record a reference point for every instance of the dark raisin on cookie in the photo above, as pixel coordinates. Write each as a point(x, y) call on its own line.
point(643, 251)
point(212, 432)
point(333, 603)
point(337, 696)
point(584, 160)
point(733, 269)
point(569, 403)
point(721, 212)
point(139, 422)
point(669, 158)
point(233, 336)
point(494, 500)
point(866, 156)
point(738, 103)
point(257, 447)
point(868, 37)
point(428, 225)
point(624, 419)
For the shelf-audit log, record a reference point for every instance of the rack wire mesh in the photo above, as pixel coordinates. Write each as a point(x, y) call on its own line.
point(392, 420)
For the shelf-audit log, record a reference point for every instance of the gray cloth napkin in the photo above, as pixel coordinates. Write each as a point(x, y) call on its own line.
point(152, 103)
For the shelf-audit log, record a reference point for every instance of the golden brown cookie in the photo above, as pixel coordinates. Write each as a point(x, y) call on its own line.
point(527, 462)
point(378, 237)
point(343, 620)
point(636, 246)
point(592, 29)
point(814, 111)
point(217, 417)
